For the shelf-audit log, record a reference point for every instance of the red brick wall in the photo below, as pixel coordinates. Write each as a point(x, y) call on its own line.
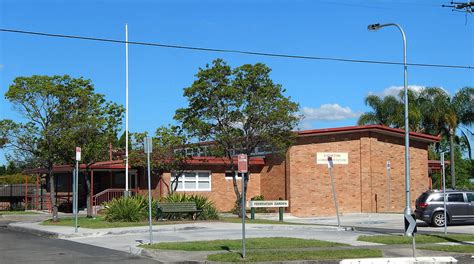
point(272, 178)
point(357, 183)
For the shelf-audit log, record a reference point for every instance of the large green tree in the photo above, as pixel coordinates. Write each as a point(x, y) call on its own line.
point(238, 109)
point(432, 111)
point(444, 114)
point(169, 143)
point(59, 113)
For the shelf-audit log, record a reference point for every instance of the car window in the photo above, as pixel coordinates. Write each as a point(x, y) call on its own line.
point(455, 197)
point(423, 197)
point(437, 198)
point(470, 197)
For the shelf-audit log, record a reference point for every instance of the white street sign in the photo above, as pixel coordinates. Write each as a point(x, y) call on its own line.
point(78, 153)
point(270, 203)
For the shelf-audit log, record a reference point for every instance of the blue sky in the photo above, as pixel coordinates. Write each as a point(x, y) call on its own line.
point(331, 94)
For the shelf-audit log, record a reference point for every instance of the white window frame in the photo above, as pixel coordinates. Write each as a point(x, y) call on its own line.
point(182, 179)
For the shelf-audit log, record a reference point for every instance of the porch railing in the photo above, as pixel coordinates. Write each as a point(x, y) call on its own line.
point(107, 195)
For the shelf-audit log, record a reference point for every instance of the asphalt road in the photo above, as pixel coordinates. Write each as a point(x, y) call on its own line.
point(20, 247)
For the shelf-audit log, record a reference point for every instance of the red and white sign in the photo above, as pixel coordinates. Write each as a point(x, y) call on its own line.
point(242, 163)
point(78, 153)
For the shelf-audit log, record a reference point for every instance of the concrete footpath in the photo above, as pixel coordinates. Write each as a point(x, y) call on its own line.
point(128, 239)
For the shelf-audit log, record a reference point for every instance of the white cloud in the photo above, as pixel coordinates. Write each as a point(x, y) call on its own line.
point(328, 112)
point(395, 90)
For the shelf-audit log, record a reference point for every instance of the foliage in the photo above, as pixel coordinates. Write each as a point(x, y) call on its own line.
point(432, 111)
point(61, 113)
point(126, 209)
point(11, 168)
point(16, 179)
point(168, 152)
point(238, 110)
point(209, 210)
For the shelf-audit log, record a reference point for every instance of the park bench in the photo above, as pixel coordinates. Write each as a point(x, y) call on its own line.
point(177, 208)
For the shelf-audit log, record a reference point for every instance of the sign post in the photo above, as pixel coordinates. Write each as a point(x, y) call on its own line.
point(330, 166)
point(444, 195)
point(76, 189)
point(148, 147)
point(389, 183)
point(242, 168)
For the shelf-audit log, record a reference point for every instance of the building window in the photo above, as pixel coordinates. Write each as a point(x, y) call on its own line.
point(194, 181)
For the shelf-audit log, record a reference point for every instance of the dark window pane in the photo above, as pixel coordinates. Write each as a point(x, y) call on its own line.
point(470, 197)
point(455, 197)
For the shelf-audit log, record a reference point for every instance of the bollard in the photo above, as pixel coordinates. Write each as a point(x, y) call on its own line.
point(252, 213)
point(280, 213)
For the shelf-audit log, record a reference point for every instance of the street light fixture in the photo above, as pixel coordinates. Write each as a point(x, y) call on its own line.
point(408, 210)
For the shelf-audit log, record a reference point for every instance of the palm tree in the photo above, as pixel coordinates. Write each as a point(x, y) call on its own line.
point(443, 115)
point(384, 111)
point(390, 111)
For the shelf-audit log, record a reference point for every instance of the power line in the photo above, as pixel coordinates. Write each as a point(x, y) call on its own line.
point(265, 54)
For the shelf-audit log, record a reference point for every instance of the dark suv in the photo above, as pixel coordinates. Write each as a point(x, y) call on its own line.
point(459, 207)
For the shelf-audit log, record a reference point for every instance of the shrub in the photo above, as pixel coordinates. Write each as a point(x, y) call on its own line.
point(127, 209)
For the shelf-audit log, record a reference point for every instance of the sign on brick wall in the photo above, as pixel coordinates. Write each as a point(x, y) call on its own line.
point(337, 157)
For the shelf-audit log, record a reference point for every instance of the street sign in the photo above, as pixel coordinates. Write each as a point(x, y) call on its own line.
point(148, 145)
point(78, 153)
point(410, 224)
point(242, 163)
point(271, 203)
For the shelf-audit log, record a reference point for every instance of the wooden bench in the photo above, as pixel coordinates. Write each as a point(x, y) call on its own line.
point(177, 208)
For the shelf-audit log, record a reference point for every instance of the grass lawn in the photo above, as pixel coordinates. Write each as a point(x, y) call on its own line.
point(99, 222)
point(296, 255)
point(251, 243)
point(420, 239)
point(451, 248)
point(17, 212)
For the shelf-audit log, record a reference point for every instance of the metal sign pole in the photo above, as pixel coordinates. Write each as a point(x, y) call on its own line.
point(77, 196)
point(76, 189)
point(444, 196)
point(389, 183)
point(242, 168)
point(243, 214)
point(148, 149)
point(74, 209)
point(330, 166)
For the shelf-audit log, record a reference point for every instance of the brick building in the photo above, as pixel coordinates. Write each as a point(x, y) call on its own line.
point(360, 154)
point(361, 178)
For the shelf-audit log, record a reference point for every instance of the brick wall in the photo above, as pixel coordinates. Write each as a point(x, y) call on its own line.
point(361, 185)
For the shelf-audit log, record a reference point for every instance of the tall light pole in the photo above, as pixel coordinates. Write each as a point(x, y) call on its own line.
point(408, 211)
point(126, 194)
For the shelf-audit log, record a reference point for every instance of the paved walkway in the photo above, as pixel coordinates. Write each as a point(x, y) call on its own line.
point(324, 228)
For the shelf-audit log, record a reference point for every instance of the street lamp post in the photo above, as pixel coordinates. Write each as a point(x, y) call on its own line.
point(408, 210)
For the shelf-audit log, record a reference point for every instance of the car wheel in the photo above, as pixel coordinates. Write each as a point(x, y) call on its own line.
point(438, 219)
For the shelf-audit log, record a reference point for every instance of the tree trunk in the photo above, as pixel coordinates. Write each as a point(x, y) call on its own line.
point(88, 192)
point(238, 199)
point(451, 158)
point(52, 194)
